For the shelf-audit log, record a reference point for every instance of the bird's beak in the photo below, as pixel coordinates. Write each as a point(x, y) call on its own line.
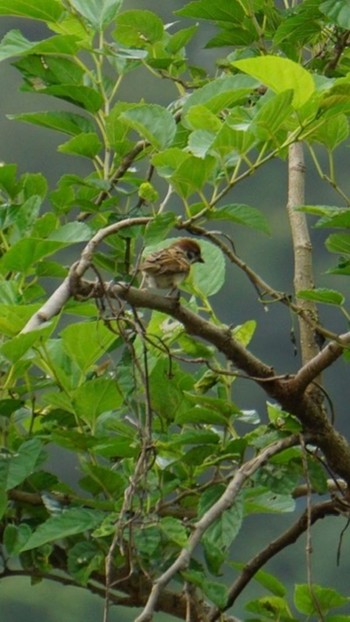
point(200, 259)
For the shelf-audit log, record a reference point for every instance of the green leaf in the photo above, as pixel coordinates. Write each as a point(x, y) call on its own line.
point(82, 96)
point(280, 74)
point(200, 142)
point(98, 13)
point(219, 94)
point(71, 233)
point(86, 342)
point(8, 178)
point(245, 332)
point(318, 599)
point(16, 468)
point(279, 478)
point(234, 137)
point(242, 215)
point(339, 243)
point(14, 44)
point(95, 397)
point(66, 122)
point(221, 406)
point(259, 500)
point(199, 415)
point(332, 132)
point(70, 522)
point(100, 479)
point(192, 174)
point(270, 582)
point(326, 296)
point(270, 608)
point(159, 227)
point(138, 28)
point(220, 10)
point(180, 39)
point(45, 10)
point(220, 535)
point(204, 281)
point(152, 122)
point(87, 145)
point(332, 215)
point(26, 252)
point(199, 117)
point(56, 45)
point(225, 529)
point(192, 437)
point(174, 530)
point(15, 537)
point(83, 559)
point(16, 348)
point(338, 12)
point(168, 161)
point(271, 115)
point(148, 541)
point(216, 592)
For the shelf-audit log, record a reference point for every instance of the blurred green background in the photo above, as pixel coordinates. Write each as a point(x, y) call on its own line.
point(34, 149)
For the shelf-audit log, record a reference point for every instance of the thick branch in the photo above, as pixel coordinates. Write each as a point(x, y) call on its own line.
point(61, 295)
point(303, 273)
point(284, 390)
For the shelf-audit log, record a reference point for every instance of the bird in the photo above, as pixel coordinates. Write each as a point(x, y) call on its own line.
point(167, 268)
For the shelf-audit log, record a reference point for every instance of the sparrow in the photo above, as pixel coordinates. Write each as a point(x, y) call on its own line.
point(167, 268)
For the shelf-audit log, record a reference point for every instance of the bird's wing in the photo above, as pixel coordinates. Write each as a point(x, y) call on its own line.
point(166, 261)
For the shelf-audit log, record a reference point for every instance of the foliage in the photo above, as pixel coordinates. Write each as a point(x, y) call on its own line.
point(168, 461)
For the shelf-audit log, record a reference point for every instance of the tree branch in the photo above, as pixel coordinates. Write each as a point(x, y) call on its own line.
point(273, 548)
point(226, 501)
point(303, 272)
point(61, 295)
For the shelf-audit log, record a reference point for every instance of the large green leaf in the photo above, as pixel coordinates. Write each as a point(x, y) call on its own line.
point(313, 600)
point(82, 96)
point(67, 122)
point(332, 132)
point(338, 11)
point(280, 74)
point(95, 397)
point(14, 44)
point(271, 115)
point(26, 252)
point(86, 342)
point(86, 144)
point(220, 10)
point(208, 282)
point(242, 215)
point(153, 122)
point(16, 468)
point(138, 28)
point(174, 530)
point(45, 10)
point(70, 522)
point(220, 93)
point(327, 296)
point(19, 345)
point(193, 174)
point(98, 13)
point(83, 558)
point(339, 243)
point(71, 233)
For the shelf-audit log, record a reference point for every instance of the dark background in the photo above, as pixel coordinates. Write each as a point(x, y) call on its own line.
point(34, 150)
